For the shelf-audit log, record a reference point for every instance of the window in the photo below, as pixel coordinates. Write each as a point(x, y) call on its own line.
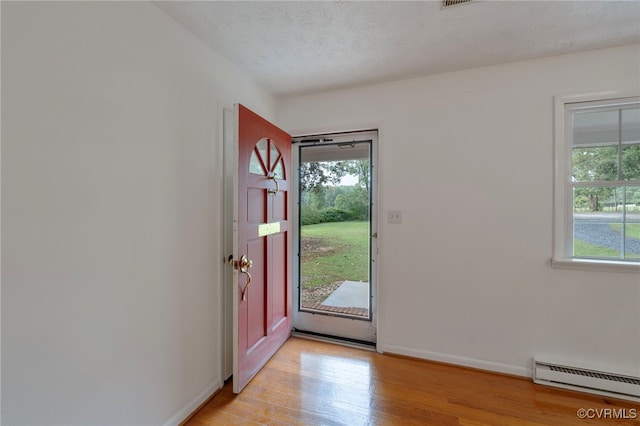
point(597, 218)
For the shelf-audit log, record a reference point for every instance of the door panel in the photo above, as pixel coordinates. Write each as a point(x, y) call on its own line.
point(256, 205)
point(279, 307)
point(262, 296)
point(256, 296)
point(280, 206)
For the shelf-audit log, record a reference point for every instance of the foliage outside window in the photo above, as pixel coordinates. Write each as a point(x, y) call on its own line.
point(604, 180)
point(323, 196)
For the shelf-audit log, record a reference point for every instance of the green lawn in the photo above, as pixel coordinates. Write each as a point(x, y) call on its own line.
point(583, 249)
point(332, 252)
point(633, 229)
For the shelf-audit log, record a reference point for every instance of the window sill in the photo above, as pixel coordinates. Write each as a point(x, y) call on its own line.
point(596, 265)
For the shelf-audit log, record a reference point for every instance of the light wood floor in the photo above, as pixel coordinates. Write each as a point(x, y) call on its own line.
point(314, 383)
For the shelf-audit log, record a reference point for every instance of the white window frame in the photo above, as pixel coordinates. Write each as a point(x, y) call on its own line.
point(563, 198)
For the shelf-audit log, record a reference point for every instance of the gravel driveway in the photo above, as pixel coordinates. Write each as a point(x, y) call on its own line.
point(595, 229)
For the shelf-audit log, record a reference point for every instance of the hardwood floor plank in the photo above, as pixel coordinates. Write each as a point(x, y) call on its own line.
point(314, 383)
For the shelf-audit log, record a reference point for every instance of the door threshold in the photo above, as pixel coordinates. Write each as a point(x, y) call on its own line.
point(344, 341)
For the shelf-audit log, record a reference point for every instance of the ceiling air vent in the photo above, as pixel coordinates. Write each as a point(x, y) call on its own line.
point(450, 3)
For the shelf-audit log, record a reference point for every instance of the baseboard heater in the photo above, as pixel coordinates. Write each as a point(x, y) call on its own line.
point(585, 380)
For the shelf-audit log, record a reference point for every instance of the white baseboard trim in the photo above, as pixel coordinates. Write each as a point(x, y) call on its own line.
point(460, 360)
point(186, 411)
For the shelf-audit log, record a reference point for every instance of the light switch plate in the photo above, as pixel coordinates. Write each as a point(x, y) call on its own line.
point(394, 216)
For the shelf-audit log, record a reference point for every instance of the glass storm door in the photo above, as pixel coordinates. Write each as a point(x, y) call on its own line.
point(261, 259)
point(336, 223)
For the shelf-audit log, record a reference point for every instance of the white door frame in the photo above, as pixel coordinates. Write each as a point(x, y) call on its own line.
point(339, 326)
point(229, 155)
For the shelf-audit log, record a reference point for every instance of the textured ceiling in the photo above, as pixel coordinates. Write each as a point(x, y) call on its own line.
point(306, 46)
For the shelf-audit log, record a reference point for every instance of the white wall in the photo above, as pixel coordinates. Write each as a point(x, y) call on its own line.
point(111, 213)
point(467, 157)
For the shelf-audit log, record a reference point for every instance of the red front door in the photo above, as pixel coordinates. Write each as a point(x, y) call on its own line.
point(262, 300)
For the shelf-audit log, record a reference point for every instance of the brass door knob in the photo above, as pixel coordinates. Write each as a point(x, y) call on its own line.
point(243, 265)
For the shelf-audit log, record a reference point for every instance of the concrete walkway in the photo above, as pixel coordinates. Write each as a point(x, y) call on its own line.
point(350, 294)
